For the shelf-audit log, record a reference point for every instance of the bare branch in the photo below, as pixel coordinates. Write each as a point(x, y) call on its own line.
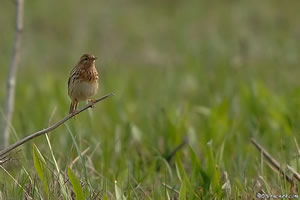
point(11, 81)
point(296, 175)
point(50, 128)
point(274, 164)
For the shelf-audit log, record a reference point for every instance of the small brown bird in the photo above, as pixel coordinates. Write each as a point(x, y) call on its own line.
point(83, 81)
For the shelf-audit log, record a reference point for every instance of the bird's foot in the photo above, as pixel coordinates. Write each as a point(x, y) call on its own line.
point(92, 102)
point(73, 113)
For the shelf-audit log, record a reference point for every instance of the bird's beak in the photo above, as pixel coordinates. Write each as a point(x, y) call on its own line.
point(95, 58)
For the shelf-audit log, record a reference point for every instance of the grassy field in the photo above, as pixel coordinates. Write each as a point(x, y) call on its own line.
point(209, 75)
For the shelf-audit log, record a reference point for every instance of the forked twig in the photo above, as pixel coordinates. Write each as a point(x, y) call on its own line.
point(50, 128)
point(274, 164)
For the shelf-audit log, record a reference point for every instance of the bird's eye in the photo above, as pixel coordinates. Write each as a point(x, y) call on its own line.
point(86, 59)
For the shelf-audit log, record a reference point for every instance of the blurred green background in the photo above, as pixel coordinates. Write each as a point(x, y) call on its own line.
point(214, 72)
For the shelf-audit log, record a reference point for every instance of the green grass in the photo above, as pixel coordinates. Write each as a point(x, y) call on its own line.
point(214, 74)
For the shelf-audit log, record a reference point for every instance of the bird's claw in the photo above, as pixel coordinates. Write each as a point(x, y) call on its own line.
point(92, 103)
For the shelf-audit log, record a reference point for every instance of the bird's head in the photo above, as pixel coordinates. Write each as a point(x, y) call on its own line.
point(87, 60)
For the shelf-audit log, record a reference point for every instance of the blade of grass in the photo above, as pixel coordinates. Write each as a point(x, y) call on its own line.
point(119, 193)
point(79, 153)
point(39, 164)
point(17, 183)
point(76, 185)
point(63, 187)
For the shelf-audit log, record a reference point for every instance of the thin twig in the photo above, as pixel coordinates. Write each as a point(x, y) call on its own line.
point(11, 81)
point(296, 175)
point(50, 128)
point(78, 157)
point(170, 188)
point(272, 161)
point(177, 148)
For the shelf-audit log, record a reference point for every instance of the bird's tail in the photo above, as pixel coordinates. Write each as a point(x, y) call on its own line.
point(73, 106)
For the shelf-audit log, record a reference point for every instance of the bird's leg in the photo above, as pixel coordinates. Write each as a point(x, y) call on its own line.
point(92, 102)
point(73, 107)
